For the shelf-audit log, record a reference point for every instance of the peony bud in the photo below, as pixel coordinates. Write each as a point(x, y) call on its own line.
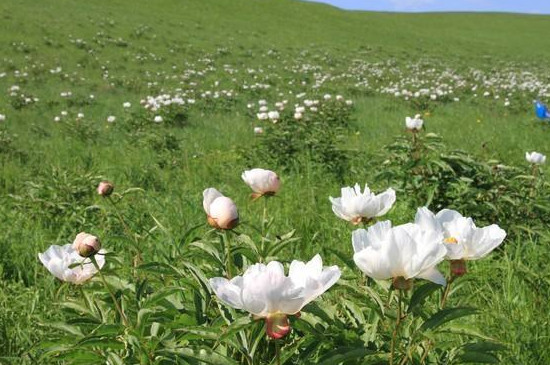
point(221, 212)
point(86, 244)
point(262, 182)
point(277, 325)
point(105, 188)
point(458, 267)
point(401, 283)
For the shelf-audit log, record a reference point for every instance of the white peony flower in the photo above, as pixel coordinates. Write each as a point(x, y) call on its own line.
point(221, 211)
point(414, 124)
point(157, 119)
point(258, 130)
point(262, 182)
point(273, 115)
point(266, 292)
point(535, 158)
point(126, 105)
point(2, 117)
point(462, 239)
point(402, 253)
point(111, 119)
point(60, 259)
point(358, 207)
point(262, 116)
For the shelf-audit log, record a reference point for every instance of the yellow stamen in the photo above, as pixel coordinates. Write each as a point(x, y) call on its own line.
point(451, 240)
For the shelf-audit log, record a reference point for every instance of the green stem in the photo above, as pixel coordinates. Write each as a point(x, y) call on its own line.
point(396, 329)
point(137, 256)
point(228, 257)
point(447, 291)
point(117, 306)
point(122, 221)
point(534, 171)
point(277, 352)
point(264, 226)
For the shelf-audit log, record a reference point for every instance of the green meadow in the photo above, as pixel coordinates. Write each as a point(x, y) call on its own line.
point(206, 68)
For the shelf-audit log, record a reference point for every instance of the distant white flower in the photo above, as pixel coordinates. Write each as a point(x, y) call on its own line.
point(357, 207)
point(535, 158)
point(262, 182)
point(262, 102)
point(402, 253)
point(56, 119)
point(266, 292)
point(298, 116)
point(126, 105)
point(221, 211)
point(60, 259)
point(80, 115)
point(258, 130)
point(111, 119)
point(2, 117)
point(327, 96)
point(157, 119)
point(273, 115)
point(263, 109)
point(262, 116)
point(414, 124)
point(349, 102)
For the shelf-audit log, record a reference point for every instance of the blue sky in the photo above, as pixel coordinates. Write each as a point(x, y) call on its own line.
point(517, 6)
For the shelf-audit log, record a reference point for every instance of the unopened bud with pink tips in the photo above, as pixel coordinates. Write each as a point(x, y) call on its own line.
point(262, 182)
point(220, 210)
point(105, 188)
point(86, 244)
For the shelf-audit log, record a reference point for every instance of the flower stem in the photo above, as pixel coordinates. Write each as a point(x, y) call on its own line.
point(277, 352)
point(137, 256)
point(264, 226)
point(117, 306)
point(534, 172)
point(228, 257)
point(447, 291)
point(396, 329)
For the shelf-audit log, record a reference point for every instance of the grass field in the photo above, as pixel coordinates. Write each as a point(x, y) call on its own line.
point(67, 66)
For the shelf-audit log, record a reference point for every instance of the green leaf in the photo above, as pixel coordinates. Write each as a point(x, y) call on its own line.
point(421, 293)
point(477, 358)
point(446, 315)
point(343, 354)
point(203, 355)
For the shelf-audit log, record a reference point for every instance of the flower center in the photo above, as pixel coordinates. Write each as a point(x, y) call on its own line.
point(451, 240)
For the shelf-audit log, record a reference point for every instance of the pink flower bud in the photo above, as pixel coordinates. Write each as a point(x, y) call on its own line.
point(277, 325)
point(223, 212)
point(458, 267)
point(86, 244)
point(105, 188)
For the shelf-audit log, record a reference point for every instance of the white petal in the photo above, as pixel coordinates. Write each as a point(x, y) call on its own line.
point(426, 220)
point(229, 292)
point(209, 195)
point(433, 275)
point(484, 241)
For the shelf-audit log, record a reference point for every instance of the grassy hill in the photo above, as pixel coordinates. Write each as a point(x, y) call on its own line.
point(292, 24)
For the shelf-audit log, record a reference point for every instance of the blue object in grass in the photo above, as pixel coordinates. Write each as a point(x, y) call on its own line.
point(541, 110)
